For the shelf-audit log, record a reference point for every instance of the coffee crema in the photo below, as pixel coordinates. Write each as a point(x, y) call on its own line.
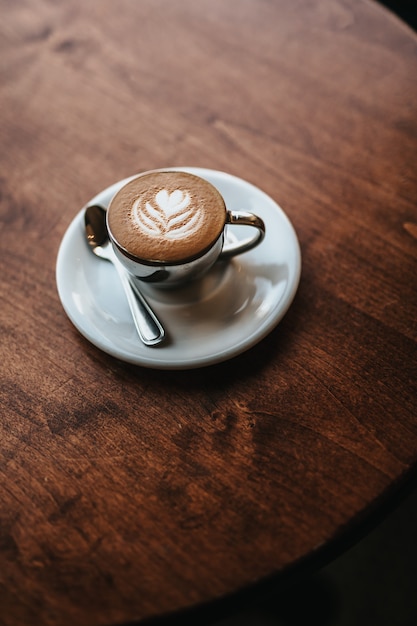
point(166, 216)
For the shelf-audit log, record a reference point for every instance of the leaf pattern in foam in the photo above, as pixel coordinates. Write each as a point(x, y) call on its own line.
point(170, 216)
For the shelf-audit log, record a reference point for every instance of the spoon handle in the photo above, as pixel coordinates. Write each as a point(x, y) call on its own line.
point(147, 325)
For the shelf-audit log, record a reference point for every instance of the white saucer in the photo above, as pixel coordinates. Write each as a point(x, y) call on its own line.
point(230, 310)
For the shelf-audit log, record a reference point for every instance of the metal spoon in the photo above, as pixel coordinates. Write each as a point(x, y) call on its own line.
point(148, 326)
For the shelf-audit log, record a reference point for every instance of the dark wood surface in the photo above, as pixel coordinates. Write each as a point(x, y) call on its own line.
point(127, 493)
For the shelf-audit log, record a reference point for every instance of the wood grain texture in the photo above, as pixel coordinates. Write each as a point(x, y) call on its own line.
point(127, 493)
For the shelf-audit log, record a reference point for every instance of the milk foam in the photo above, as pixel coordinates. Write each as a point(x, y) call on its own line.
point(166, 216)
point(169, 216)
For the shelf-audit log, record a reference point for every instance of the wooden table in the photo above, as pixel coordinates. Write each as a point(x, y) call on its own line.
point(126, 492)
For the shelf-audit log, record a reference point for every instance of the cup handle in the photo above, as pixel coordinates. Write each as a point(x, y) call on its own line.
point(243, 218)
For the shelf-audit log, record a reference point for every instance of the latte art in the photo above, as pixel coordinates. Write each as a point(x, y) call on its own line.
point(171, 215)
point(166, 217)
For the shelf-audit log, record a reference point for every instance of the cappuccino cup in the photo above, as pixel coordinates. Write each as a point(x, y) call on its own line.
point(167, 227)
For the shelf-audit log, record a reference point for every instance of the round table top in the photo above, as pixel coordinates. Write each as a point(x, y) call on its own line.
point(129, 492)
